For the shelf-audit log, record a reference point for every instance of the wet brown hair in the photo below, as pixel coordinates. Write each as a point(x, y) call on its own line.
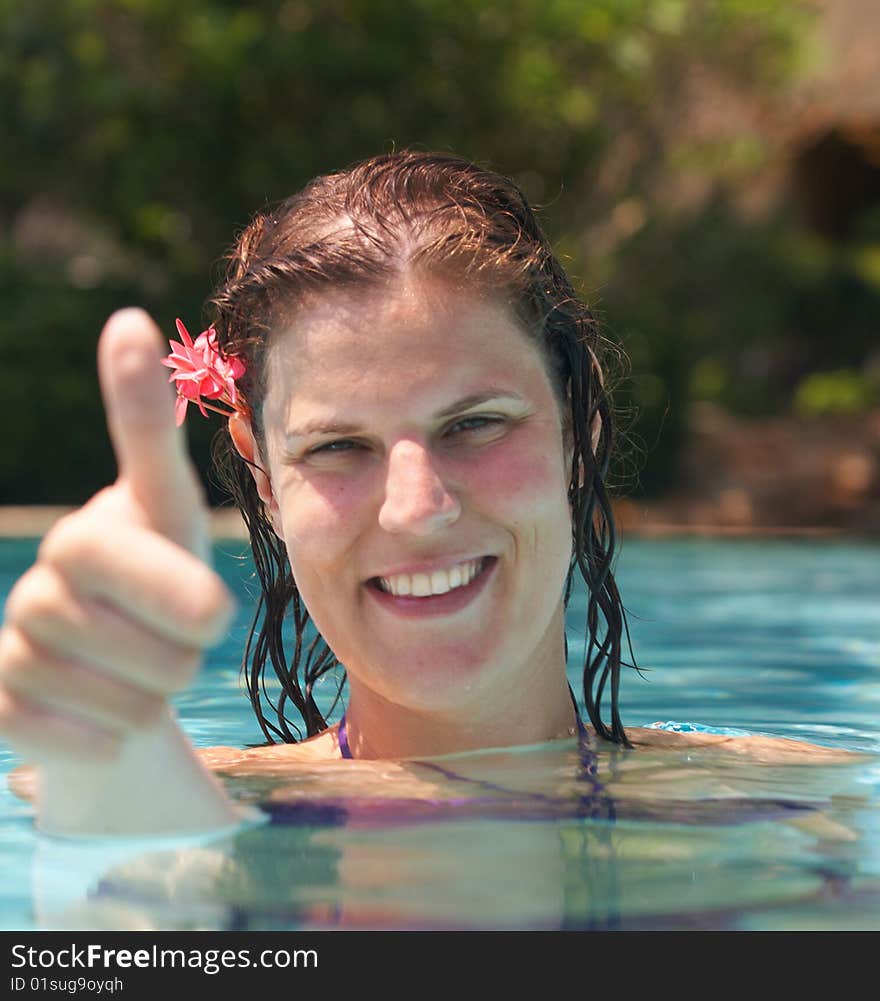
point(363, 228)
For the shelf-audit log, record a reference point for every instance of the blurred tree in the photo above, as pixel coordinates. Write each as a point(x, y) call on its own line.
point(138, 135)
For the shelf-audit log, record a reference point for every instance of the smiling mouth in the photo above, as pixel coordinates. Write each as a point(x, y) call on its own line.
point(429, 585)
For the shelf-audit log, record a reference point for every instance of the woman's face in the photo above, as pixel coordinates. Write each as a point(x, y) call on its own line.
point(417, 475)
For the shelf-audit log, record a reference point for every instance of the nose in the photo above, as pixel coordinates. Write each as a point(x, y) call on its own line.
point(417, 500)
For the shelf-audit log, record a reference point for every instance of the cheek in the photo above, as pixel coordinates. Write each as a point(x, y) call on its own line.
point(528, 483)
point(320, 520)
point(528, 493)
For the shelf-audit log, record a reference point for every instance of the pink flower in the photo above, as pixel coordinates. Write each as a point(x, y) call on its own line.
point(201, 373)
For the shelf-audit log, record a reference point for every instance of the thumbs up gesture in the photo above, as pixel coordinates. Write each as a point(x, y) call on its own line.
point(113, 619)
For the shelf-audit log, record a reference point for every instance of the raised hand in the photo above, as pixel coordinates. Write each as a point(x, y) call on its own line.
point(113, 619)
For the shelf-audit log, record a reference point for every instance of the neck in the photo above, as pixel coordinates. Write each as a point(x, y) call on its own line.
point(377, 729)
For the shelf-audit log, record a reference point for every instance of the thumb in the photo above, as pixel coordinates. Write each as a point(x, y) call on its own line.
point(150, 449)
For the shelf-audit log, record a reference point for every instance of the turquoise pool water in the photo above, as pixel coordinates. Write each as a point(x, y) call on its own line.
point(774, 637)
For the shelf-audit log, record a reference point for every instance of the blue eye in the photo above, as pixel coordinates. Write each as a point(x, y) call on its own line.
point(477, 423)
point(334, 447)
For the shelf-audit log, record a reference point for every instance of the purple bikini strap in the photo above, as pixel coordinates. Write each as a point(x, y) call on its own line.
point(342, 738)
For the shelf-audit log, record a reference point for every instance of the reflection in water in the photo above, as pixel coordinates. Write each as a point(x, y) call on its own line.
point(543, 838)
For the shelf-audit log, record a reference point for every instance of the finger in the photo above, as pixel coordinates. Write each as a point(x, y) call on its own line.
point(93, 633)
point(40, 736)
point(141, 574)
point(22, 782)
point(150, 449)
point(60, 685)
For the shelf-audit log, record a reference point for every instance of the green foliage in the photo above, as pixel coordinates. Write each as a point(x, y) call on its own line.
point(139, 135)
point(843, 391)
point(757, 318)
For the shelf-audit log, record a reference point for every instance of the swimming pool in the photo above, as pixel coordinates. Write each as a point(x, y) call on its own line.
point(771, 636)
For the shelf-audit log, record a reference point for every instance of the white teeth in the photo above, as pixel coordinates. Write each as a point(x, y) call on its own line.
point(421, 585)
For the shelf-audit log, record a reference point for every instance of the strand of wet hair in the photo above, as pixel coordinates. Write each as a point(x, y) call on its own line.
point(265, 638)
point(594, 538)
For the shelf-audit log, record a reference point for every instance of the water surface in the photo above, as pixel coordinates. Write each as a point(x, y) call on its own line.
point(775, 637)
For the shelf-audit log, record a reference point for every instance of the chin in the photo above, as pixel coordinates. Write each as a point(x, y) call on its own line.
point(428, 682)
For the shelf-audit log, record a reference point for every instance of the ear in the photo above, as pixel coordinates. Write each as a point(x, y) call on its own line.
point(242, 434)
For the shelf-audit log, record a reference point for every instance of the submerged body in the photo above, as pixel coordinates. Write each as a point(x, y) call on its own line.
point(543, 837)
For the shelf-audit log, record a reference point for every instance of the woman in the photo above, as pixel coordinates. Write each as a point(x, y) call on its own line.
point(422, 305)
point(419, 438)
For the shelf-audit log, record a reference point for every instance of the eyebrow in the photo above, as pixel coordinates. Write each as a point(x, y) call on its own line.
point(320, 426)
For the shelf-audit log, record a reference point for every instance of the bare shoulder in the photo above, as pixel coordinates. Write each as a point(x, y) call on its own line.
point(271, 757)
point(267, 760)
point(767, 749)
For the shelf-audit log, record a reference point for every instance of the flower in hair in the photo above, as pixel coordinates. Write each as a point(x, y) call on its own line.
point(201, 373)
